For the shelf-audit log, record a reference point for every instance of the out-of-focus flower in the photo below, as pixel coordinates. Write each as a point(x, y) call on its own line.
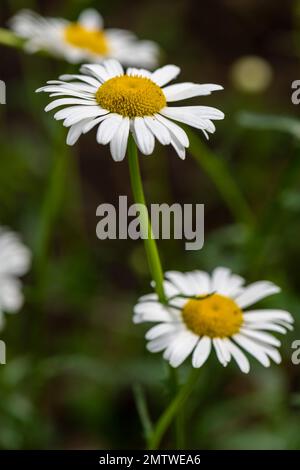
point(206, 311)
point(135, 101)
point(84, 40)
point(14, 262)
point(251, 74)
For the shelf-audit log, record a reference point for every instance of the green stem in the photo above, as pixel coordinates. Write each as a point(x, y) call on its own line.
point(139, 197)
point(217, 170)
point(8, 38)
point(179, 419)
point(143, 412)
point(51, 204)
point(172, 410)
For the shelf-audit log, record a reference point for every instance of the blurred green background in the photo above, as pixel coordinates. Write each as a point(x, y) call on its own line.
point(73, 354)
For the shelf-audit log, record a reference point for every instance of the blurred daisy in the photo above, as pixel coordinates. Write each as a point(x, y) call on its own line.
point(14, 262)
point(251, 74)
point(135, 101)
point(206, 312)
point(84, 40)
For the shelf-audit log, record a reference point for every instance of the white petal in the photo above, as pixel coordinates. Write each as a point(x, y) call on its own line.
point(268, 315)
point(260, 336)
point(178, 147)
point(159, 130)
point(93, 122)
point(154, 311)
point(273, 354)
point(75, 132)
point(160, 329)
point(118, 144)
point(91, 19)
point(85, 96)
point(165, 74)
point(161, 343)
point(238, 355)
point(222, 352)
point(152, 296)
point(69, 101)
point(181, 282)
point(204, 112)
point(220, 277)
point(15, 258)
point(64, 90)
point(187, 117)
point(143, 137)
point(84, 78)
point(182, 91)
point(73, 86)
point(181, 347)
point(88, 112)
point(201, 352)
point(131, 71)
point(226, 283)
point(203, 282)
point(170, 289)
point(255, 292)
point(265, 326)
point(253, 348)
point(175, 130)
point(113, 68)
point(11, 298)
point(73, 111)
point(108, 128)
point(96, 70)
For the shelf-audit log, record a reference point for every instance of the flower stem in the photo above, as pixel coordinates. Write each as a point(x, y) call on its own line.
point(139, 197)
point(172, 410)
point(51, 204)
point(7, 38)
point(179, 419)
point(143, 412)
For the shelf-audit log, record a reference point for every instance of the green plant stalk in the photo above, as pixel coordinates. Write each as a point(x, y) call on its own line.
point(51, 204)
point(143, 412)
point(217, 170)
point(157, 274)
point(8, 38)
point(173, 410)
point(149, 241)
point(179, 419)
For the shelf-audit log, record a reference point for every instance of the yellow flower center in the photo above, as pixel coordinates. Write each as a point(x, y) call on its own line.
point(131, 96)
point(90, 40)
point(215, 316)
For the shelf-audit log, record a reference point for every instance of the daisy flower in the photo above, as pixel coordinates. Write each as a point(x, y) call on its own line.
point(135, 101)
point(83, 40)
point(14, 262)
point(206, 312)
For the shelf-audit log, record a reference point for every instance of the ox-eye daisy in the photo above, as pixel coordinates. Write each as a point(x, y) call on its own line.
point(83, 40)
point(135, 101)
point(14, 262)
point(208, 311)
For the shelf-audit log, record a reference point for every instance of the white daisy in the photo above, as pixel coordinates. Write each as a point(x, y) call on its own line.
point(14, 262)
point(84, 40)
point(205, 312)
point(135, 101)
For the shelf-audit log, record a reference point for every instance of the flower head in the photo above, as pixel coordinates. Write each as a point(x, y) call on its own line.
point(14, 262)
point(204, 311)
point(82, 40)
point(135, 101)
